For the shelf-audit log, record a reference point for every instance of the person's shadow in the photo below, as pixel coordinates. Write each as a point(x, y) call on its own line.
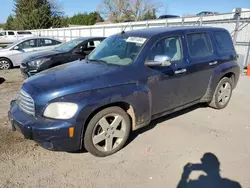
point(2, 80)
point(211, 166)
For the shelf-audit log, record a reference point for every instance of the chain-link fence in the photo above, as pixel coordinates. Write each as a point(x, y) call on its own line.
point(237, 23)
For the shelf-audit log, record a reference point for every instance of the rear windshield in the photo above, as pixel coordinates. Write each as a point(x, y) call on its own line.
point(223, 41)
point(24, 33)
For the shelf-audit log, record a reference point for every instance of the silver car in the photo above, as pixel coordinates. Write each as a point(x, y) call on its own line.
point(12, 55)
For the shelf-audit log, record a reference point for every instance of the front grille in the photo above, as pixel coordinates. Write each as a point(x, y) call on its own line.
point(26, 103)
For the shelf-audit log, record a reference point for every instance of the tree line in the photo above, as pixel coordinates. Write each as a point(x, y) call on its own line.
point(43, 14)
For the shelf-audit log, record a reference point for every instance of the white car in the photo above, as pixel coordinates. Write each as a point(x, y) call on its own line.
point(8, 37)
point(12, 55)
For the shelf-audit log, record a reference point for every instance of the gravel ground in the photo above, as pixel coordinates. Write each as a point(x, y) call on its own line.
point(154, 157)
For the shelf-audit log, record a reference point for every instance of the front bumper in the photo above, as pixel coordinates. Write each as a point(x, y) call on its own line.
point(26, 71)
point(50, 134)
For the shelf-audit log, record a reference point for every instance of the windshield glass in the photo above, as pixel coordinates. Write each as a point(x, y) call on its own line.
point(2, 33)
point(12, 44)
point(118, 49)
point(69, 45)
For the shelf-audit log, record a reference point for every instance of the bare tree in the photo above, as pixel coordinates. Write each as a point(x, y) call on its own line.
point(120, 10)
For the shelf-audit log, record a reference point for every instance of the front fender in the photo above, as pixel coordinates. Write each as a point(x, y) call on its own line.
point(136, 95)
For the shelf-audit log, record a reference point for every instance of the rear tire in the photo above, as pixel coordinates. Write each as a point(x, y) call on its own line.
point(222, 94)
point(5, 64)
point(107, 132)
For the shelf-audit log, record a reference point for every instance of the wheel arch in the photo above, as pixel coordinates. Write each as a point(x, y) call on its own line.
point(230, 75)
point(12, 65)
point(128, 108)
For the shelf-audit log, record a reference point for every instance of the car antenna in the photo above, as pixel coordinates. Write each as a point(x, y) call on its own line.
point(123, 31)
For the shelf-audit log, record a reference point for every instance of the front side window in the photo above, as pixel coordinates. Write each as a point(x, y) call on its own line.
point(223, 41)
point(199, 45)
point(32, 43)
point(170, 47)
point(118, 49)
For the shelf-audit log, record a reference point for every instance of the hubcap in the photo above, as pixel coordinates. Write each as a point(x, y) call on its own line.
point(109, 132)
point(4, 64)
point(224, 93)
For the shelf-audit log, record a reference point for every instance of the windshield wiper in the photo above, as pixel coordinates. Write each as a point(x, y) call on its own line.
point(97, 60)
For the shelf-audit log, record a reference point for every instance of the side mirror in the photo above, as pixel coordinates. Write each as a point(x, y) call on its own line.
point(159, 60)
point(16, 48)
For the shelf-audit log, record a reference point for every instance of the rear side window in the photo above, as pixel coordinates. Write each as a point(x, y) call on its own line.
point(24, 33)
point(55, 42)
point(199, 45)
point(48, 42)
point(223, 41)
point(11, 33)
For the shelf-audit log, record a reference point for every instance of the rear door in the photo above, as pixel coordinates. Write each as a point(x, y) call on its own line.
point(201, 63)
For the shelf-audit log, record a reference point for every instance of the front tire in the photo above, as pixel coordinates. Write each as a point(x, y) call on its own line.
point(222, 94)
point(107, 132)
point(5, 64)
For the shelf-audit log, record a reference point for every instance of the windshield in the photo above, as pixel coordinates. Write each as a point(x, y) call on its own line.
point(13, 44)
point(69, 45)
point(3, 33)
point(118, 49)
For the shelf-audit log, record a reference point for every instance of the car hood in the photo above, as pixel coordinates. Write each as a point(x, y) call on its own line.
point(42, 54)
point(4, 50)
point(74, 77)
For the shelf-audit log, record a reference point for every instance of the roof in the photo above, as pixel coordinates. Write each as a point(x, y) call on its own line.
point(87, 38)
point(147, 33)
point(37, 37)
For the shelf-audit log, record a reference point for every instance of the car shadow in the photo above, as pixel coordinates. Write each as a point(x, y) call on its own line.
point(155, 122)
point(2, 80)
point(210, 165)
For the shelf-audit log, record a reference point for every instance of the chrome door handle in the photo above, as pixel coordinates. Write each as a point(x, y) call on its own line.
point(213, 63)
point(180, 71)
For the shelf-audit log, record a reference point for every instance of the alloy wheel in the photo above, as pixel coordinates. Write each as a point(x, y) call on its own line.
point(109, 132)
point(224, 93)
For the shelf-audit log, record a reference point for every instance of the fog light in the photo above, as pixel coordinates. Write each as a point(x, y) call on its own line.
point(47, 145)
point(71, 131)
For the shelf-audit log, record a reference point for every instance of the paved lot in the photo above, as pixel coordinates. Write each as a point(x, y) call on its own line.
point(154, 157)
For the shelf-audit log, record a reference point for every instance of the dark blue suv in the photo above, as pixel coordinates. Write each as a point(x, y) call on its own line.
point(128, 80)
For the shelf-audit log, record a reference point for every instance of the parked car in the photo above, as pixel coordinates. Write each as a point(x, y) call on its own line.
point(207, 13)
point(67, 52)
point(168, 16)
point(8, 37)
point(14, 54)
point(130, 79)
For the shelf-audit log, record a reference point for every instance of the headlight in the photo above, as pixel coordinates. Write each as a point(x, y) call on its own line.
point(38, 62)
point(60, 110)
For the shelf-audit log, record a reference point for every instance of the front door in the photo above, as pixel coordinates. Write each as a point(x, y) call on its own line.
point(163, 82)
point(25, 49)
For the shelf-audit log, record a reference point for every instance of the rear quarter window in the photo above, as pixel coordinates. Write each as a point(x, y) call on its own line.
point(223, 41)
point(199, 45)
